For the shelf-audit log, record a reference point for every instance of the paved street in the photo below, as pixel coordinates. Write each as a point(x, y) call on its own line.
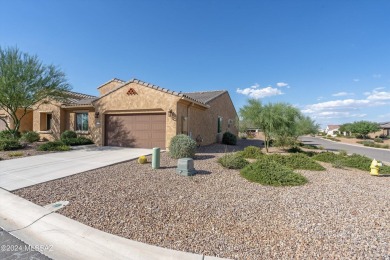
point(379, 154)
point(12, 248)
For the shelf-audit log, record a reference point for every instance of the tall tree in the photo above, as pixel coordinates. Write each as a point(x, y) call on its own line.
point(279, 121)
point(24, 82)
point(364, 128)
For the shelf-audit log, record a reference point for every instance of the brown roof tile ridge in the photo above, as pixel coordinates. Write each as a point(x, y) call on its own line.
point(81, 95)
point(111, 80)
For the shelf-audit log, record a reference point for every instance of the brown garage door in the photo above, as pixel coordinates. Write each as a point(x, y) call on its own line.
point(135, 130)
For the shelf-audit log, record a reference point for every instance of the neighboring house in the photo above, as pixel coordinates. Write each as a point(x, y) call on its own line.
point(385, 126)
point(136, 114)
point(332, 130)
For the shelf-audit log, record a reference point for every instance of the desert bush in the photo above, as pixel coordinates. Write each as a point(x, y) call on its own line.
point(229, 138)
point(328, 157)
point(182, 146)
point(15, 154)
point(251, 152)
point(30, 137)
point(268, 172)
point(77, 141)
point(378, 140)
point(68, 134)
point(233, 161)
point(343, 153)
point(142, 159)
point(9, 134)
point(9, 144)
point(295, 161)
point(53, 146)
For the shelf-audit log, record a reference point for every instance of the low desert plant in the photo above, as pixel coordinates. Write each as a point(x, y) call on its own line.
point(295, 161)
point(68, 134)
point(30, 137)
point(15, 154)
point(269, 172)
point(378, 140)
point(53, 146)
point(142, 159)
point(9, 144)
point(343, 153)
point(77, 141)
point(233, 161)
point(182, 146)
point(9, 134)
point(251, 152)
point(327, 157)
point(229, 138)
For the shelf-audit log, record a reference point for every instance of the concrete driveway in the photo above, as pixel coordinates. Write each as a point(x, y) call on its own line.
point(27, 171)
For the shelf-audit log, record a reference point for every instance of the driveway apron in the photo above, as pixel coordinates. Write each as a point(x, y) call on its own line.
point(27, 171)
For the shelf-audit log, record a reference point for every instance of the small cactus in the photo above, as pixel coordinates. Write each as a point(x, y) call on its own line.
point(142, 159)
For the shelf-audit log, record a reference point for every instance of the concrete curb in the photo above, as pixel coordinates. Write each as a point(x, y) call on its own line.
point(60, 237)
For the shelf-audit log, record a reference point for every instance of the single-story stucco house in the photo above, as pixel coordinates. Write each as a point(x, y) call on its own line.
point(332, 130)
point(135, 114)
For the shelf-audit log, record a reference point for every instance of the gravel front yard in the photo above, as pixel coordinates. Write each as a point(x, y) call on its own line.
point(340, 213)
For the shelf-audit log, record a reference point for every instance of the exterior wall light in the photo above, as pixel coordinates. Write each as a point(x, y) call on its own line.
point(170, 113)
point(97, 114)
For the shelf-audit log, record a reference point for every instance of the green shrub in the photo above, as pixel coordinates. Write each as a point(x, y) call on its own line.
point(337, 164)
point(343, 153)
point(233, 161)
point(68, 134)
point(357, 161)
point(9, 134)
point(54, 146)
point(77, 141)
point(251, 152)
point(182, 146)
point(378, 140)
point(229, 138)
point(9, 144)
point(269, 172)
point(295, 161)
point(30, 137)
point(328, 157)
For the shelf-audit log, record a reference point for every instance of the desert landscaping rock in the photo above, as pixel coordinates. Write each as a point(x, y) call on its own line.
point(339, 214)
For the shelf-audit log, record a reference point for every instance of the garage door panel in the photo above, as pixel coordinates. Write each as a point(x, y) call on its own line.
point(135, 130)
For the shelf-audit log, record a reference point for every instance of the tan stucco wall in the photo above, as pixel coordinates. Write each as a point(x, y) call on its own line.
point(70, 121)
point(26, 124)
point(108, 87)
point(205, 122)
point(147, 100)
point(39, 121)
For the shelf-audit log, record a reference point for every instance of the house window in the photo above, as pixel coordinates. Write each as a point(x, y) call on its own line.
point(219, 124)
point(49, 119)
point(82, 121)
point(46, 121)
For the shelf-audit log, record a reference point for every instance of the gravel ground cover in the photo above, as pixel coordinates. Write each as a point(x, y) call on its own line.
point(28, 150)
point(339, 214)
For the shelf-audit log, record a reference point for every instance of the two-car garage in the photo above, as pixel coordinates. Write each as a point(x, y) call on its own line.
point(135, 130)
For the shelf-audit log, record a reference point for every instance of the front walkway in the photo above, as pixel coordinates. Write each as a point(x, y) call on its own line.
point(27, 171)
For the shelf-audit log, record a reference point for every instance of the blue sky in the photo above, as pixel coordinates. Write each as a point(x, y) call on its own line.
point(328, 58)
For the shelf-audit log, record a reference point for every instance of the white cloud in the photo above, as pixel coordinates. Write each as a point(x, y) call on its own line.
point(356, 80)
point(378, 95)
point(377, 76)
point(340, 94)
point(256, 92)
point(346, 104)
point(320, 98)
point(281, 84)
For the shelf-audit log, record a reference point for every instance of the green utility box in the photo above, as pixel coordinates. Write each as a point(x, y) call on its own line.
point(185, 167)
